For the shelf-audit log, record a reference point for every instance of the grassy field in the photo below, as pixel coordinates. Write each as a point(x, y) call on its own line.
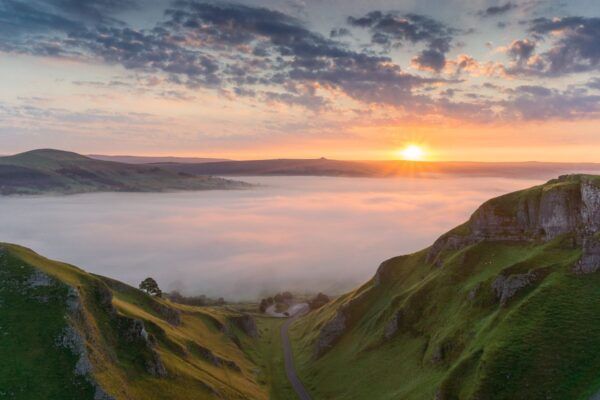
point(270, 354)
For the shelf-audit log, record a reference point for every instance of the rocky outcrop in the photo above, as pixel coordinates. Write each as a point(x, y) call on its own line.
point(331, 332)
point(39, 279)
point(590, 256)
point(569, 204)
point(393, 325)
point(506, 288)
point(74, 341)
point(212, 358)
point(133, 331)
point(247, 324)
point(472, 295)
point(169, 314)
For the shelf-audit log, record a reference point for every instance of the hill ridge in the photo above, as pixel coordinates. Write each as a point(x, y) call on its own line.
point(501, 307)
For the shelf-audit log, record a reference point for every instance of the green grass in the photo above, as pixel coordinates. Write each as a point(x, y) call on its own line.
point(482, 343)
point(33, 367)
point(269, 353)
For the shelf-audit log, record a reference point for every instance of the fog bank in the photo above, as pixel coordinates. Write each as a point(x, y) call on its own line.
point(293, 233)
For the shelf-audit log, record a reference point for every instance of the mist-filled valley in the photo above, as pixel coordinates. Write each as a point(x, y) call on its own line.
point(304, 234)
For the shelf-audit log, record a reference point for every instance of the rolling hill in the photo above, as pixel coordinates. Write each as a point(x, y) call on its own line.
point(67, 334)
point(504, 306)
point(55, 171)
point(380, 169)
point(154, 159)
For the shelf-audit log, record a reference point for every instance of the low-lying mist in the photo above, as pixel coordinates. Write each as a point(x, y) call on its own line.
point(303, 234)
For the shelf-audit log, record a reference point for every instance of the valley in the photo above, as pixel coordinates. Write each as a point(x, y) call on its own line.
point(476, 315)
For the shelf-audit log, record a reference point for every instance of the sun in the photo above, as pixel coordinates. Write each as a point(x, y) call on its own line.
point(412, 152)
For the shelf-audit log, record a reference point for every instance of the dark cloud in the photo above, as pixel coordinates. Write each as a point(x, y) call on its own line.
point(226, 46)
point(270, 56)
point(521, 50)
point(497, 10)
point(531, 102)
point(430, 60)
point(393, 30)
point(576, 47)
point(339, 32)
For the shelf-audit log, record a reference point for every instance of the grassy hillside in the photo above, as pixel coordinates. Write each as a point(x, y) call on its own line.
point(474, 316)
point(67, 334)
point(54, 171)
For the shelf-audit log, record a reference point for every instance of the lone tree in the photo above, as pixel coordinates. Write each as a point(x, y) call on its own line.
point(150, 286)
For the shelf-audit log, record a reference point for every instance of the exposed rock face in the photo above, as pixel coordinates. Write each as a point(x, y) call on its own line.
point(247, 324)
point(39, 279)
point(72, 339)
point(506, 287)
point(473, 292)
point(169, 314)
point(211, 357)
point(331, 332)
point(134, 332)
point(569, 204)
point(449, 241)
point(392, 326)
point(590, 257)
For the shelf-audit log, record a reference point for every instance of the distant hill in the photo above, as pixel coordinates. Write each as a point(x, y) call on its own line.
point(149, 160)
point(66, 334)
point(56, 171)
point(502, 307)
point(392, 168)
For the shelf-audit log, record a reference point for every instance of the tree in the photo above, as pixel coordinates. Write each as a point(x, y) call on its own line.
point(319, 301)
point(150, 286)
point(263, 305)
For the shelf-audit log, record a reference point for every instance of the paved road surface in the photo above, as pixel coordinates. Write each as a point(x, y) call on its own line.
point(290, 370)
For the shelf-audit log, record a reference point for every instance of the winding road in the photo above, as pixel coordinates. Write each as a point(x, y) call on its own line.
point(288, 356)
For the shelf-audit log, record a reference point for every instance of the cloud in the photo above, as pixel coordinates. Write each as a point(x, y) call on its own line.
point(594, 83)
point(574, 47)
point(270, 56)
point(339, 32)
point(393, 30)
point(534, 102)
point(521, 50)
point(497, 10)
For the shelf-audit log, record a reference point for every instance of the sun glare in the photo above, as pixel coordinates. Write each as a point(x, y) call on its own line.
point(412, 152)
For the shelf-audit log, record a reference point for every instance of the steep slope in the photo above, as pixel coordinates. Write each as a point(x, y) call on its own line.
point(55, 171)
point(504, 306)
point(67, 334)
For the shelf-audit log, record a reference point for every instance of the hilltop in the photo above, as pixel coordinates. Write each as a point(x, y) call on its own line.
point(56, 171)
point(504, 306)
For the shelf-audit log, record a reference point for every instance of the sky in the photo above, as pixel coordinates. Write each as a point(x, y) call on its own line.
point(466, 79)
